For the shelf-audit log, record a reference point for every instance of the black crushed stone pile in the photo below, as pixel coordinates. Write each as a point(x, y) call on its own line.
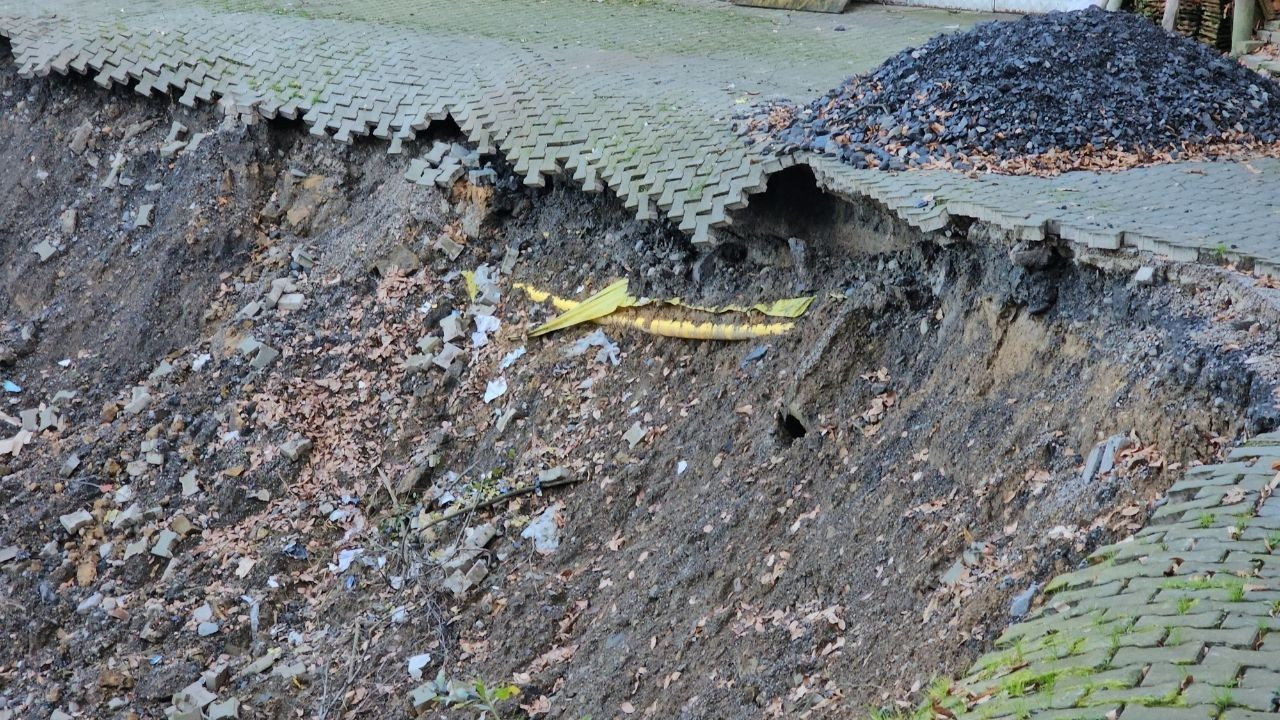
point(1086, 88)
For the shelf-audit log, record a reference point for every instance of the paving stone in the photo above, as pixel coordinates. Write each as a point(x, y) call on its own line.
point(1201, 712)
point(551, 119)
point(1202, 693)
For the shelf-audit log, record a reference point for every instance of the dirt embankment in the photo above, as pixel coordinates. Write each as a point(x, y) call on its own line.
point(815, 523)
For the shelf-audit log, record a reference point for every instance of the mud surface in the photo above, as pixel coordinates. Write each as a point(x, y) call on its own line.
point(1110, 86)
point(815, 523)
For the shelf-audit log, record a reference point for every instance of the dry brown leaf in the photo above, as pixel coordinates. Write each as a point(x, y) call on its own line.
point(540, 706)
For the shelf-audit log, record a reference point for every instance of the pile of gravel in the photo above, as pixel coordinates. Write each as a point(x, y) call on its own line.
point(1041, 91)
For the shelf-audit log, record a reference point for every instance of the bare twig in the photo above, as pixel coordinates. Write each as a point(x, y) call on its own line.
point(499, 498)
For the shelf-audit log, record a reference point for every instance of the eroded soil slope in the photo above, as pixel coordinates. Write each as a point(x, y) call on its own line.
point(239, 453)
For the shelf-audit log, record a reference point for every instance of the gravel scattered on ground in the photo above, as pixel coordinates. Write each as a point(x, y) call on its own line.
point(1067, 90)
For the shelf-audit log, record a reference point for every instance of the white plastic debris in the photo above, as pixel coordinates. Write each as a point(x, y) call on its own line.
point(345, 558)
point(486, 280)
point(417, 663)
point(545, 530)
point(495, 389)
point(510, 358)
point(608, 352)
point(253, 612)
point(486, 325)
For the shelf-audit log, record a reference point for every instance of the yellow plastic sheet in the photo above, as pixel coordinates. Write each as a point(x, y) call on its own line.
point(602, 303)
point(614, 306)
point(786, 308)
point(472, 288)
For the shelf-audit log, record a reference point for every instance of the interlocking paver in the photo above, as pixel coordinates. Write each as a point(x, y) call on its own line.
point(638, 98)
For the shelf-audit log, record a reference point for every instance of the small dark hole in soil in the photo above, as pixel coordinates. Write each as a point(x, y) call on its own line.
point(790, 428)
point(732, 252)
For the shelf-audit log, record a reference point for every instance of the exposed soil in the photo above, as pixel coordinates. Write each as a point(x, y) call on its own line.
point(1060, 91)
point(816, 523)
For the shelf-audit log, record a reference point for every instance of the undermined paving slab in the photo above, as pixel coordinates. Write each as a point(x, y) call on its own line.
point(273, 453)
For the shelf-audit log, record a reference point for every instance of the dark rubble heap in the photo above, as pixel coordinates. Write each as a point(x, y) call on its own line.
point(1075, 89)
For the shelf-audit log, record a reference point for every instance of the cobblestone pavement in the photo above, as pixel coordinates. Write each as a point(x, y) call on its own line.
point(1174, 623)
point(639, 97)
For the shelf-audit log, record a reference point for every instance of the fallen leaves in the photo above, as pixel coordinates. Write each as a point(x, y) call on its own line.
point(555, 656)
point(775, 563)
point(927, 508)
point(872, 416)
point(541, 705)
point(795, 526)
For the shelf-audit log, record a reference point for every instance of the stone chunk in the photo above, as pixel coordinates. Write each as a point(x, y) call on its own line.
point(451, 327)
point(266, 355)
point(80, 137)
point(279, 287)
point(72, 522)
point(303, 257)
point(193, 697)
point(261, 664)
point(436, 153)
point(551, 475)
point(634, 434)
point(138, 402)
point(215, 677)
point(401, 259)
point(128, 517)
point(69, 466)
point(449, 174)
point(296, 448)
point(88, 604)
point(288, 672)
point(291, 301)
point(67, 221)
point(449, 247)
point(228, 709)
point(164, 544)
point(486, 176)
point(447, 355)
point(44, 250)
point(137, 547)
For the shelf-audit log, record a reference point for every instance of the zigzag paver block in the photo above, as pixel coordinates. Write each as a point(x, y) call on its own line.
point(639, 102)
